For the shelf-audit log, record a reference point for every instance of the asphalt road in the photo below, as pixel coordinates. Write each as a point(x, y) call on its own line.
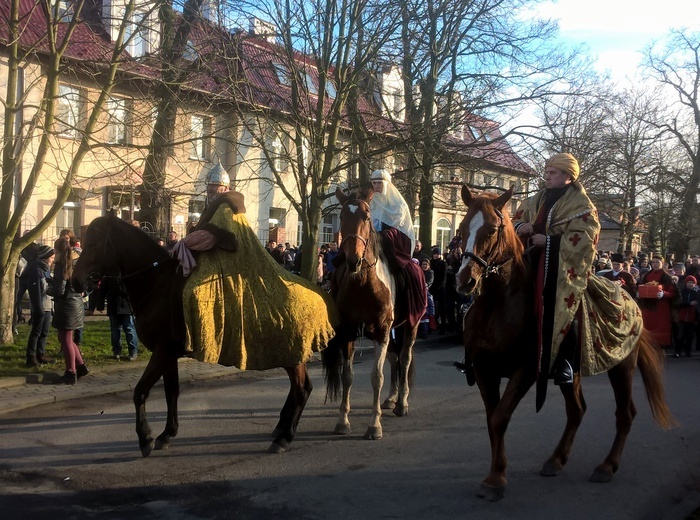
point(81, 459)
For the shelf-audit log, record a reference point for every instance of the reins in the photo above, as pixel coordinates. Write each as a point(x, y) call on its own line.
point(366, 243)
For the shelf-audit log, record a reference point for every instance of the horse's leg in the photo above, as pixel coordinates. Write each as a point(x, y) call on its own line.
point(171, 385)
point(150, 377)
point(575, 410)
point(499, 410)
point(405, 367)
point(621, 376)
point(374, 429)
point(343, 425)
point(299, 392)
point(391, 400)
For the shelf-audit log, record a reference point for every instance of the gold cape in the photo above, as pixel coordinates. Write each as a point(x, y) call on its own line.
point(244, 309)
point(611, 321)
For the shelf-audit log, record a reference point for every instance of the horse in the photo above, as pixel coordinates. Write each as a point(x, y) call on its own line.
point(365, 292)
point(494, 270)
point(111, 247)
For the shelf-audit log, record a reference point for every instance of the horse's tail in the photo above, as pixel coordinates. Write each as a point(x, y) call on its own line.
point(332, 358)
point(651, 361)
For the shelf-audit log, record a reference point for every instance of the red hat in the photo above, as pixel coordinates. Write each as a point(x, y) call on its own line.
point(690, 279)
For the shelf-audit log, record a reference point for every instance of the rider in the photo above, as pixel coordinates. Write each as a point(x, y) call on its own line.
point(392, 218)
point(560, 224)
point(218, 182)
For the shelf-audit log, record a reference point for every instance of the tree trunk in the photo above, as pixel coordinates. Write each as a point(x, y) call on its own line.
point(7, 301)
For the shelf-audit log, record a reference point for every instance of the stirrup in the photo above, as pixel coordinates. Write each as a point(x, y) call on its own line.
point(564, 373)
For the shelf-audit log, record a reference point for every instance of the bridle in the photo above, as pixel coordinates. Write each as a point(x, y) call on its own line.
point(488, 265)
point(365, 243)
point(108, 245)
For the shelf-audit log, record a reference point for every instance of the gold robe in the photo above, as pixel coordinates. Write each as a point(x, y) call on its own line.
point(610, 321)
point(244, 309)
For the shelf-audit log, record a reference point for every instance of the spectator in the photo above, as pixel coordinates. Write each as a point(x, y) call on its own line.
point(656, 311)
point(437, 289)
point(121, 317)
point(328, 260)
point(37, 273)
point(160, 242)
point(454, 262)
point(621, 277)
point(694, 268)
point(172, 240)
point(418, 252)
point(69, 312)
point(687, 317)
point(28, 255)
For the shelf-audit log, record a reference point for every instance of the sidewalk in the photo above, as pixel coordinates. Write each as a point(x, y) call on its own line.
point(18, 393)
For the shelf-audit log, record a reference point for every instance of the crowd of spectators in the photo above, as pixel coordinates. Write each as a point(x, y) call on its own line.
point(666, 289)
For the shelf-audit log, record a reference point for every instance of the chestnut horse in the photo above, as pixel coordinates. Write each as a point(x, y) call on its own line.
point(111, 247)
point(494, 272)
point(364, 290)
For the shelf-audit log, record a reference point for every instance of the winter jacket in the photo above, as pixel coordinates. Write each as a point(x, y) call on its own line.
point(117, 298)
point(69, 308)
point(36, 274)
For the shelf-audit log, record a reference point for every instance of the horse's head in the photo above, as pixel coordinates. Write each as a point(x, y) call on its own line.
point(98, 257)
point(488, 238)
point(355, 227)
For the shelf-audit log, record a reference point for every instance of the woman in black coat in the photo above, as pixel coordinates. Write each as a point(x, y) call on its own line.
point(69, 311)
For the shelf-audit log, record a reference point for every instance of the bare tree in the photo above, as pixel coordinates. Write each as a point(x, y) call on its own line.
point(39, 43)
point(674, 63)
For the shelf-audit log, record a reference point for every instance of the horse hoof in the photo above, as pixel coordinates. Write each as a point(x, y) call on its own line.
point(491, 493)
point(601, 474)
point(161, 444)
point(373, 433)
point(400, 411)
point(276, 448)
point(550, 469)
point(388, 404)
point(342, 429)
point(146, 447)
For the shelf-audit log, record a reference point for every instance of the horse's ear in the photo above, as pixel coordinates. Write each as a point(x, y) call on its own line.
point(111, 213)
point(466, 195)
point(505, 197)
point(341, 196)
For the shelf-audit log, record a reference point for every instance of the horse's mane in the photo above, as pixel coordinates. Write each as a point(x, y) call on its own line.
point(512, 242)
point(140, 243)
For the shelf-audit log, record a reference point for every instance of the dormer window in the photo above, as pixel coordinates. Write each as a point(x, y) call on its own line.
point(190, 53)
point(476, 132)
point(137, 34)
point(282, 74)
point(311, 84)
point(62, 10)
point(330, 89)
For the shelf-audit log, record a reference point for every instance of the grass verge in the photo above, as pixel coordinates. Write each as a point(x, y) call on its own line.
point(96, 348)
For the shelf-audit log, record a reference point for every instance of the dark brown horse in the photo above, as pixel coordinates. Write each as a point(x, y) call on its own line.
point(112, 247)
point(494, 272)
point(364, 290)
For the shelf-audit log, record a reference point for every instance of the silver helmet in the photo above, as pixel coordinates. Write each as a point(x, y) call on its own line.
point(218, 176)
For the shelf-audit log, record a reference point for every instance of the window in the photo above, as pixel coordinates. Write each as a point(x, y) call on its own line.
point(137, 34)
point(200, 128)
point(68, 217)
point(62, 10)
point(443, 232)
point(330, 89)
point(117, 129)
point(327, 227)
point(475, 132)
point(190, 53)
point(311, 85)
point(282, 74)
point(279, 162)
point(397, 110)
point(68, 111)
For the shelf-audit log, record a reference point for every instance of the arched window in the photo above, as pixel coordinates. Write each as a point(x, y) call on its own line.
point(443, 230)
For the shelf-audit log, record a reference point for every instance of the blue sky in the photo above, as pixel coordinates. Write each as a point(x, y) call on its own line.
point(616, 30)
